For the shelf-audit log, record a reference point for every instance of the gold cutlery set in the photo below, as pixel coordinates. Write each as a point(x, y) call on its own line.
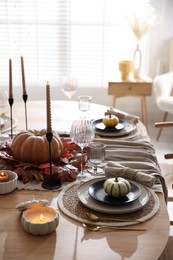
point(95, 218)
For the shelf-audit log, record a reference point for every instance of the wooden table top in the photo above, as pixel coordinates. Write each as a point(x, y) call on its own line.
point(62, 113)
point(70, 240)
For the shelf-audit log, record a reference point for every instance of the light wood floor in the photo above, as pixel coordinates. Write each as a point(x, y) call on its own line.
point(162, 146)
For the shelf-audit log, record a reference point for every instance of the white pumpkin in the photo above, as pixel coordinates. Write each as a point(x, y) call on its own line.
point(117, 187)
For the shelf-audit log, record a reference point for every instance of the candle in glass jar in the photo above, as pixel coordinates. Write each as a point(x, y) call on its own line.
point(23, 75)
point(4, 177)
point(10, 79)
point(49, 127)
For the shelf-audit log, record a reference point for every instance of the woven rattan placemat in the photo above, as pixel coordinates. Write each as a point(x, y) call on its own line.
point(71, 206)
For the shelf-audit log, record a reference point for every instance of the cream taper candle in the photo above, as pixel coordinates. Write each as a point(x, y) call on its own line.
point(49, 127)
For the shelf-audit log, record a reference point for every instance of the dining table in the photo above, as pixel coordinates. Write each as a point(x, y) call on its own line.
point(71, 239)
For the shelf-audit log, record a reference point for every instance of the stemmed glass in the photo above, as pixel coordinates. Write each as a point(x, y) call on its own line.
point(69, 87)
point(82, 133)
point(4, 108)
point(96, 155)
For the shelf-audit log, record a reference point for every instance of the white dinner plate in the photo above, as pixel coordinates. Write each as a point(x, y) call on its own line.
point(6, 123)
point(89, 202)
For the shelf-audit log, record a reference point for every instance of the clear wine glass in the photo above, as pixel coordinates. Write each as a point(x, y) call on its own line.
point(4, 108)
point(96, 155)
point(69, 87)
point(82, 133)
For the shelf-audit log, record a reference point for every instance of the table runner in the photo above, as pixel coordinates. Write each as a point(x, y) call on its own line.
point(138, 154)
point(124, 152)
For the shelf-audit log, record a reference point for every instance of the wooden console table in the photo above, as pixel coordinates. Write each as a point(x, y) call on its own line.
point(138, 88)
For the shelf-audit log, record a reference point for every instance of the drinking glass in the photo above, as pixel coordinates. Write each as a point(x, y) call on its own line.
point(96, 155)
point(69, 87)
point(82, 133)
point(84, 102)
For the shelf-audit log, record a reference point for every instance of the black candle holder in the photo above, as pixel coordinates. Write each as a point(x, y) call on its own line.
point(11, 100)
point(50, 182)
point(25, 97)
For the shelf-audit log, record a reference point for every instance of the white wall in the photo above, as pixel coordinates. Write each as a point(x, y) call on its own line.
point(100, 96)
point(157, 58)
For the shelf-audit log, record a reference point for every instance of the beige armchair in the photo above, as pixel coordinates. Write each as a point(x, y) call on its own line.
point(163, 91)
point(162, 125)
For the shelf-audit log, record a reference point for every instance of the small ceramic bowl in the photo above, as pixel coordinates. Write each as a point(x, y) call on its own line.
point(34, 224)
point(9, 186)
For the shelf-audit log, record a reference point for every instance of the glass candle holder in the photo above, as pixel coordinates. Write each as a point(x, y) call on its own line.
point(84, 102)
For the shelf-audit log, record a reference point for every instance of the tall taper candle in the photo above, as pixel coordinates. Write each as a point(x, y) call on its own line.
point(23, 75)
point(10, 79)
point(49, 127)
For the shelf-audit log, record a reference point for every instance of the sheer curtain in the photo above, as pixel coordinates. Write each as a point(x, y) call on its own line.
point(82, 38)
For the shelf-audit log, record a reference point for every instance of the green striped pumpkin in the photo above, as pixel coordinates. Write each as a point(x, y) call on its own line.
point(117, 187)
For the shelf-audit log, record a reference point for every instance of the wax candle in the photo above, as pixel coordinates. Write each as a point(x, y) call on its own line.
point(4, 177)
point(40, 215)
point(23, 75)
point(10, 80)
point(41, 219)
point(49, 127)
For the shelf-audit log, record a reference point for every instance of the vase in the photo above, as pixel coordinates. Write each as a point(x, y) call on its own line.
point(137, 61)
point(126, 68)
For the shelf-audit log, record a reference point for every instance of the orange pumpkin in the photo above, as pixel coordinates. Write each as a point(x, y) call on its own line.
point(32, 146)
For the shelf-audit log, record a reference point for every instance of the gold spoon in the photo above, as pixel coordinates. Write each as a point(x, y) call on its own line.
point(97, 228)
point(93, 217)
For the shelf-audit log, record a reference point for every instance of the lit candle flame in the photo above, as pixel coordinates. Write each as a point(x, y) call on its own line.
point(41, 217)
point(4, 177)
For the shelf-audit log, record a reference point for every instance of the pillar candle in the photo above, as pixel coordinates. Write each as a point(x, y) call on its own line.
point(23, 75)
point(4, 177)
point(10, 80)
point(49, 128)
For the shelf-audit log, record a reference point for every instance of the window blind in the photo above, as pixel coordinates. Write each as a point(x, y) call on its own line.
point(58, 38)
